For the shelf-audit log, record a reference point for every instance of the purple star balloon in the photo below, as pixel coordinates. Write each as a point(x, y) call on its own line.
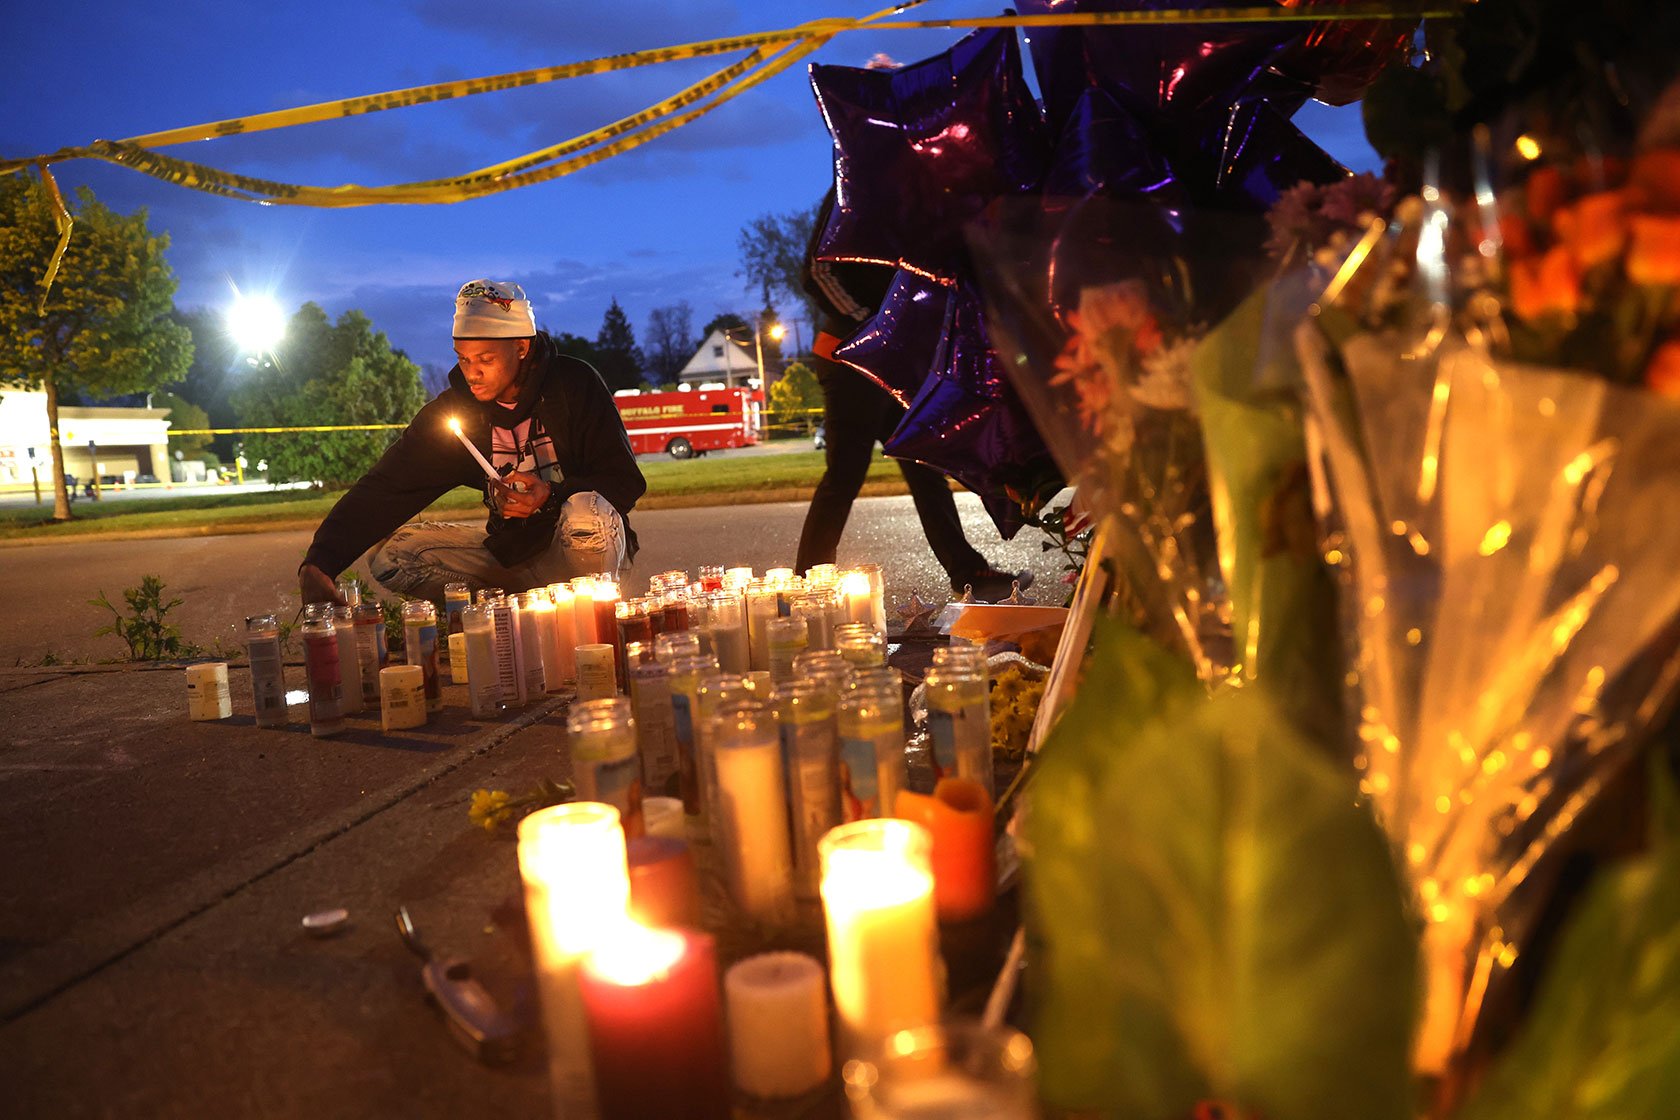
point(896, 348)
point(920, 151)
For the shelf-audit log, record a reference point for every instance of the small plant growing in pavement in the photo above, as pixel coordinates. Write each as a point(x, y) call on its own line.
point(145, 628)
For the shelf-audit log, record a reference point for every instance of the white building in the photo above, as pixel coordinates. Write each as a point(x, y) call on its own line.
point(722, 359)
point(106, 441)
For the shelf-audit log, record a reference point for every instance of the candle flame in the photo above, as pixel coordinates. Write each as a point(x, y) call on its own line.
point(455, 425)
point(634, 954)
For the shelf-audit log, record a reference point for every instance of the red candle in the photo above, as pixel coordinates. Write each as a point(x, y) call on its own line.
point(664, 889)
point(656, 1026)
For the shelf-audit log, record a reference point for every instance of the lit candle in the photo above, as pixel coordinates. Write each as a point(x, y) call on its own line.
point(489, 471)
point(761, 608)
point(577, 888)
point(883, 946)
point(727, 624)
point(655, 1026)
point(964, 857)
point(583, 607)
point(656, 733)
point(778, 1025)
point(854, 586)
point(751, 827)
point(811, 754)
point(959, 721)
point(528, 609)
point(565, 628)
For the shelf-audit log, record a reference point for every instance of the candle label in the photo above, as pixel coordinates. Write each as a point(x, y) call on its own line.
point(484, 690)
point(656, 732)
point(536, 680)
point(320, 659)
point(688, 775)
point(612, 781)
point(268, 681)
point(808, 756)
point(509, 679)
point(860, 785)
point(370, 652)
point(422, 651)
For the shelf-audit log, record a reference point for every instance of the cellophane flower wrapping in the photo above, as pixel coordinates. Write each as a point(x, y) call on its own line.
point(1507, 551)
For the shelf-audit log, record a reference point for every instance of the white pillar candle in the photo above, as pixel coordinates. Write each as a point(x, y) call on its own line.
point(577, 893)
point(351, 700)
point(752, 815)
point(484, 688)
point(541, 610)
point(663, 816)
point(207, 691)
point(883, 940)
point(565, 629)
point(489, 471)
point(778, 1025)
point(597, 678)
point(402, 697)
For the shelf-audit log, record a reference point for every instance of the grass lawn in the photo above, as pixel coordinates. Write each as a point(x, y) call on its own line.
point(722, 480)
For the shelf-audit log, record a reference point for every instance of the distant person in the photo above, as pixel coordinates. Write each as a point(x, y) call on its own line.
point(857, 413)
point(548, 426)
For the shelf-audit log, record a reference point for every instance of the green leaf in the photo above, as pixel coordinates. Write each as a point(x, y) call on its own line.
point(1603, 1038)
point(1213, 915)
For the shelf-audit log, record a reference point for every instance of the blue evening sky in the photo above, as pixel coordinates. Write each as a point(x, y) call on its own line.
point(652, 227)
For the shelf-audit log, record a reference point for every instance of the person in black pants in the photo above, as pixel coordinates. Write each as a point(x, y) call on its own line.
point(856, 414)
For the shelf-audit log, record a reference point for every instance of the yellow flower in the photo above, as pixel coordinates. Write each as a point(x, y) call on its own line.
point(490, 808)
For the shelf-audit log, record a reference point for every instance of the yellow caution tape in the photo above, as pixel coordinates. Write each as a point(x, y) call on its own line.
point(62, 218)
point(771, 52)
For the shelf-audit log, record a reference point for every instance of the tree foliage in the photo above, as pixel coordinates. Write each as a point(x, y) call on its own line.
point(617, 357)
point(670, 340)
point(210, 380)
point(106, 329)
point(326, 373)
point(773, 254)
point(795, 393)
point(183, 414)
point(727, 321)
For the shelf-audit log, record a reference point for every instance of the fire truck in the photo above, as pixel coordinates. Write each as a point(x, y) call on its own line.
point(691, 422)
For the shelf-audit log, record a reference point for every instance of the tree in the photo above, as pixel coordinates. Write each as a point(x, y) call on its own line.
point(327, 373)
point(184, 415)
point(670, 340)
point(795, 394)
point(726, 322)
point(106, 327)
point(773, 255)
point(618, 358)
point(210, 379)
point(575, 346)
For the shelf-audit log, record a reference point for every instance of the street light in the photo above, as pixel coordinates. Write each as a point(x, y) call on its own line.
point(776, 332)
point(256, 323)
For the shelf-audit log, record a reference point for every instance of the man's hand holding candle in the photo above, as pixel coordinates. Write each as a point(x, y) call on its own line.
point(518, 494)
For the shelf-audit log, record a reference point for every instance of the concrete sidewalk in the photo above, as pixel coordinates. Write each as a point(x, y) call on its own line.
point(151, 957)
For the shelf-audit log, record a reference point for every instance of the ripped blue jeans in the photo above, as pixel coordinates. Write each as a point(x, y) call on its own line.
point(419, 558)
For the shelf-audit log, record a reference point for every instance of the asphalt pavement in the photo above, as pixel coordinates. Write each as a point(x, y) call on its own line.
point(151, 957)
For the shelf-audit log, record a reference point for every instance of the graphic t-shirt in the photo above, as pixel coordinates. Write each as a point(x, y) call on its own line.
point(525, 448)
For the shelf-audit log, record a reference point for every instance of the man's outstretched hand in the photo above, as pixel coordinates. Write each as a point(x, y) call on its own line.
point(525, 500)
point(317, 586)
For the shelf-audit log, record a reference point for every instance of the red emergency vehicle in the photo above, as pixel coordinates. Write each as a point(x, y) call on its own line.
point(691, 422)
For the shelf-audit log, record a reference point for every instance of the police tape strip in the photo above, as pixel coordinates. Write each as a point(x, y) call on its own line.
point(614, 139)
point(64, 221)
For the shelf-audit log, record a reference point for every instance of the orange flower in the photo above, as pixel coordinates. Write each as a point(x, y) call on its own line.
point(1518, 238)
point(1595, 227)
point(1654, 256)
point(1545, 192)
point(1663, 374)
point(1656, 179)
point(1546, 285)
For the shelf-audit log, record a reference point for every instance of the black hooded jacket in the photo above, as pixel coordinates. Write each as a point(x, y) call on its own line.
point(575, 409)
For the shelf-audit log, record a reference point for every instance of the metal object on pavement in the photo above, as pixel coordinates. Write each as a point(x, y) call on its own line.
point(489, 1033)
point(325, 923)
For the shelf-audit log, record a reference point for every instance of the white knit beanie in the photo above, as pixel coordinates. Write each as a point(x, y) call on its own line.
point(490, 309)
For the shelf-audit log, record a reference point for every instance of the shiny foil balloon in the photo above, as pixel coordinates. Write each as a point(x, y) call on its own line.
point(921, 150)
point(896, 348)
point(1162, 69)
point(1341, 58)
point(967, 421)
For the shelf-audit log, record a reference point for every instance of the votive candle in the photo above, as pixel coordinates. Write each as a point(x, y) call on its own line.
point(778, 1025)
